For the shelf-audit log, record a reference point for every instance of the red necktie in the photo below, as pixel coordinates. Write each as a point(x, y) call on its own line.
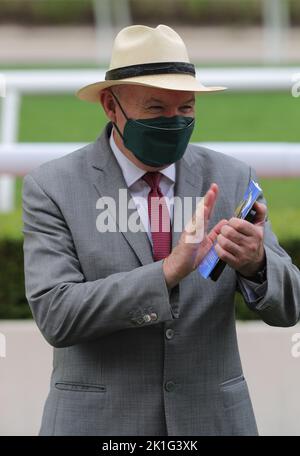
point(159, 217)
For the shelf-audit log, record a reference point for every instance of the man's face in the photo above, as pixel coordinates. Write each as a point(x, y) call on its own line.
point(140, 102)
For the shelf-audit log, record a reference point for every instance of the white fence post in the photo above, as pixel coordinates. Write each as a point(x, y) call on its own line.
point(121, 13)
point(276, 22)
point(104, 29)
point(2, 346)
point(10, 105)
point(108, 15)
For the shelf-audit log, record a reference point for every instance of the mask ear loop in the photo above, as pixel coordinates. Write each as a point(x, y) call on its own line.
point(119, 104)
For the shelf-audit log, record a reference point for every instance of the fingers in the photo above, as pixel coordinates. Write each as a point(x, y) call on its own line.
point(226, 256)
point(233, 235)
point(241, 226)
point(229, 246)
point(216, 230)
point(261, 212)
point(210, 199)
point(197, 225)
point(246, 228)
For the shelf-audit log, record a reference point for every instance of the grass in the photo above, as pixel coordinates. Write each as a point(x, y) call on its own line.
point(220, 117)
point(283, 200)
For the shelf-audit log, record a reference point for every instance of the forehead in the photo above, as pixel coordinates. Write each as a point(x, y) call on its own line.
point(146, 94)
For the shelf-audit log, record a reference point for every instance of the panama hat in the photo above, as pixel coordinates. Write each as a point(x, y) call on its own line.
point(153, 57)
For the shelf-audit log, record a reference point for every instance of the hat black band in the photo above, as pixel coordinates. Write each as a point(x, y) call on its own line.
point(146, 69)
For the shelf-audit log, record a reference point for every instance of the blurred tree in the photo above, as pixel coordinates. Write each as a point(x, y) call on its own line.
point(200, 12)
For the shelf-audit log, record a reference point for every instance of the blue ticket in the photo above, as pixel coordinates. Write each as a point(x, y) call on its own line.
point(211, 259)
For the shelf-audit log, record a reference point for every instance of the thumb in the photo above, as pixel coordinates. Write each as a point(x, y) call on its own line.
point(261, 213)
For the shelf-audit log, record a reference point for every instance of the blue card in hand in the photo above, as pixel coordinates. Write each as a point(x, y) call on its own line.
point(211, 261)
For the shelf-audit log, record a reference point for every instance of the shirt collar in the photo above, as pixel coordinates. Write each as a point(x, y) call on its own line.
point(131, 172)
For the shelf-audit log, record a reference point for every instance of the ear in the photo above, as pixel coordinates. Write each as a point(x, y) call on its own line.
point(108, 103)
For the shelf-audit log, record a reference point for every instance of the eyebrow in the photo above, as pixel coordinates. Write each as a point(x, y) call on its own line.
point(189, 101)
point(156, 100)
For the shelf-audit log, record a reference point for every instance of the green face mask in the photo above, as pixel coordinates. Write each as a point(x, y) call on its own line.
point(157, 141)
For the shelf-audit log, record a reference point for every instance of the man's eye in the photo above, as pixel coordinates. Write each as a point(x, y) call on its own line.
point(155, 107)
point(186, 108)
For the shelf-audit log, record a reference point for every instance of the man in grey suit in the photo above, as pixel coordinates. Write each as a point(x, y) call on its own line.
point(143, 345)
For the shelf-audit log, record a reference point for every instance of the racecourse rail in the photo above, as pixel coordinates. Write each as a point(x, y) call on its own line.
point(268, 159)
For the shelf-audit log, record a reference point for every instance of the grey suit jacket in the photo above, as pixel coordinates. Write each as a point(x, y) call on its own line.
point(114, 372)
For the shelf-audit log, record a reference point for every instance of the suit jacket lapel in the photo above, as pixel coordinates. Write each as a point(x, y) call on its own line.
point(107, 178)
point(189, 183)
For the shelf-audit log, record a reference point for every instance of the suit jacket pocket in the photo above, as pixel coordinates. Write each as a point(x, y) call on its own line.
point(234, 391)
point(76, 408)
point(238, 412)
point(82, 387)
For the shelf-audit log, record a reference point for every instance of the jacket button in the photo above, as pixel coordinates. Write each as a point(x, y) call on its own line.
point(169, 333)
point(153, 316)
point(170, 386)
point(147, 318)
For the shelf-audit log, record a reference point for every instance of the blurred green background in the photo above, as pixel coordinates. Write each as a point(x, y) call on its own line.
point(199, 12)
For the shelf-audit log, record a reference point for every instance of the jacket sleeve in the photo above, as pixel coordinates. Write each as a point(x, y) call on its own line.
point(280, 305)
point(68, 309)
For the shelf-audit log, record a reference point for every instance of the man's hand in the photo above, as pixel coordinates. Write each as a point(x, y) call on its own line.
point(192, 247)
point(240, 243)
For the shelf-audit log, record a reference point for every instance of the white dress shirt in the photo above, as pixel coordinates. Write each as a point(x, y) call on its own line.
point(139, 190)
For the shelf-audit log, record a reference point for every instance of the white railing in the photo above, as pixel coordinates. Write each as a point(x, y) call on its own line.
point(268, 159)
point(18, 83)
point(67, 81)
